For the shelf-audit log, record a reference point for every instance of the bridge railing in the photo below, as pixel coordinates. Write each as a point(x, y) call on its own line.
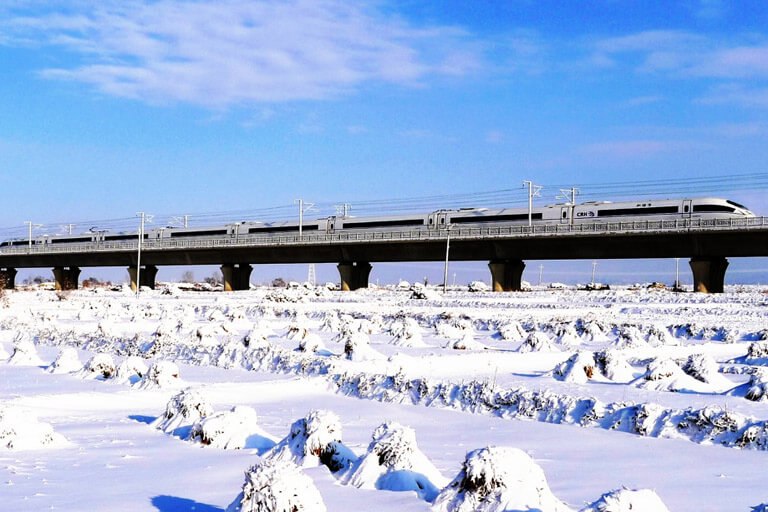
point(418, 234)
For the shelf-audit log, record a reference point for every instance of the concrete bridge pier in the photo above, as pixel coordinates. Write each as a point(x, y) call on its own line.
point(147, 275)
point(236, 277)
point(7, 278)
point(66, 278)
point(354, 275)
point(506, 275)
point(709, 274)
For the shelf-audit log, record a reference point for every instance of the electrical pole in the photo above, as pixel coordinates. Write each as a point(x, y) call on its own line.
point(541, 271)
point(138, 255)
point(677, 273)
point(445, 270)
point(533, 191)
point(31, 225)
point(594, 267)
point(303, 206)
point(343, 209)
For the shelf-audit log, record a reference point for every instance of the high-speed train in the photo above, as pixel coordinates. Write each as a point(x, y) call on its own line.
point(562, 213)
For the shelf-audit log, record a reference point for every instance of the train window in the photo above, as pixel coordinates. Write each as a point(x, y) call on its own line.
point(430, 220)
point(442, 220)
point(685, 209)
point(565, 214)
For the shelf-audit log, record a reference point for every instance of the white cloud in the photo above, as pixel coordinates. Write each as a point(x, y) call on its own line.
point(218, 53)
point(637, 148)
point(737, 94)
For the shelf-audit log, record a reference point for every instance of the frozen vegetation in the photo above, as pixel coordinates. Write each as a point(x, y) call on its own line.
point(625, 399)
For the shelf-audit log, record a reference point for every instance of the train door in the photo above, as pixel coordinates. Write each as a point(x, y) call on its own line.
point(687, 208)
point(438, 220)
point(330, 225)
point(565, 214)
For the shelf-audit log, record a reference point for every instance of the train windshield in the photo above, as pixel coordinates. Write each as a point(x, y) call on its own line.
point(734, 203)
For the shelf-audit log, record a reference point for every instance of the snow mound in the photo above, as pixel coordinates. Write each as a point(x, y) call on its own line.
point(498, 479)
point(478, 286)
point(231, 430)
point(100, 366)
point(758, 385)
point(66, 362)
point(394, 462)
point(626, 500)
point(512, 331)
point(406, 332)
point(537, 341)
point(277, 486)
point(468, 342)
point(666, 375)
point(567, 335)
point(20, 430)
point(357, 347)
point(131, 370)
point(703, 367)
point(614, 366)
point(185, 408)
point(630, 337)
point(311, 342)
point(421, 292)
point(659, 336)
point(24, 352)
point(314, 440)
point(162, 374)
point(579, 368)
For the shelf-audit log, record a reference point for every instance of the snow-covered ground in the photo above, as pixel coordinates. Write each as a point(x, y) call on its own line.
point(378, 400)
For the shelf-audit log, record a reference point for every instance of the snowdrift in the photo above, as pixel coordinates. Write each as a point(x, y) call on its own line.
point(276, 485)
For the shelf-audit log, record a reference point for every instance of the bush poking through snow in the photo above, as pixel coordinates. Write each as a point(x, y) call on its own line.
point(579, 368)
point(406, 332)
point(277, 486)
point(357, 347)
point(701, 367)
point(22, 431)
point(311, 343)
point(162, 374)
point(512, 331)
point(231, 430)
point(758, 385)
point(184, 408)
point(100, 366)
point(395, 463)
point(66, 362)
point(625, 500)
point(537, 341)
point(24, 352)
point(612, 364)
point(131, 369)
point(314, 440)
point(497, 479)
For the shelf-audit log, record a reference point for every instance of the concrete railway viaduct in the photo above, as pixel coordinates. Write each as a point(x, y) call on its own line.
point(706, 243)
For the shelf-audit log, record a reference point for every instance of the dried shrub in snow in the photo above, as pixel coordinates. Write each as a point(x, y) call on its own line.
point(298, 329)
point(231, 430)
point(314, 440)
point(277, 486)
point(498, 479)
point(311, 343)
point(331, 322)
point(512, 331)
point(626, 500)
point(66, 362)
point(394, 462)
point(406, 332)
point(758, 385)
point(468, 342)
point(660, 336)
point(630, 337)
point(702, 367)
point(592, 330)
point(131, 369)
point(257, 336)
point(566, 335)
point(537, 341)
point(579, 368)
point(185, 408)
point(24, 351)
point(757, 351)
point(357, 347)
point(20, 430)
point(613, 365)
point(162, 374)
point(100, 366)
point(478, 286)
point(421, 292)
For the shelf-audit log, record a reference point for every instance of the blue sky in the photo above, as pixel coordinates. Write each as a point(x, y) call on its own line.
point(176, 107)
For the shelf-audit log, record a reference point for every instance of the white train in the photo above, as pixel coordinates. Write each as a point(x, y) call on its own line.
point(589, 212)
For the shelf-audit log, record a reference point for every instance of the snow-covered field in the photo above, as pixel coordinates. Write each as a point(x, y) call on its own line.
point(308, 400)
